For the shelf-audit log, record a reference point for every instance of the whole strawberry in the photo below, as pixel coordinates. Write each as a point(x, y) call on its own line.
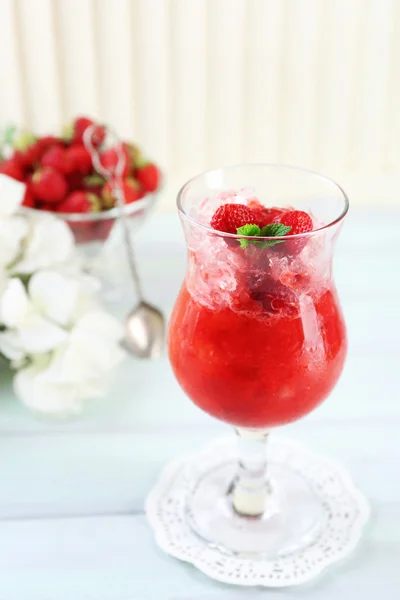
point(29, 199)
point(49, 185)
point(46, 142)
point(79, 201)
point(149, 176)
point(263, 215)
point(28, 157)
point(109, 160)
point(79, 159)
point(75, 130)
point(131, 191)
point(229, 217)
point(12, 168)
point(59, 159)
point(300, 222)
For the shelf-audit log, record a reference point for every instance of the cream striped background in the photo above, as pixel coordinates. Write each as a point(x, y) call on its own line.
point(205, 82)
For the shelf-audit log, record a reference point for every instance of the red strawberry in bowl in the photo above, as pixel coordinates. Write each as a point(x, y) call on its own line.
point(48, 141)
point(12, 168)
point(57, 158)
point(79, 159)
point(49, 185)
point(26, 150)
point(131, 191)
point(75, 130)
point(110, 158)
point(29, 199)
point(79, 201)
point(85, 231)
point(149, 176)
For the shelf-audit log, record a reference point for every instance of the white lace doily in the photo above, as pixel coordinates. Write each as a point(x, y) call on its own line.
point(345, 511)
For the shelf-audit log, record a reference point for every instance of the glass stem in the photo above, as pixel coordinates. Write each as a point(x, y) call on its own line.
point(252, 487)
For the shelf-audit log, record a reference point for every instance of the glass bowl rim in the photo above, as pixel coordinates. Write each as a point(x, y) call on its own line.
point(112, 213)
point(223, 234)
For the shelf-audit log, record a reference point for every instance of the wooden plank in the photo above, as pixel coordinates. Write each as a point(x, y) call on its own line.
point(115, 558)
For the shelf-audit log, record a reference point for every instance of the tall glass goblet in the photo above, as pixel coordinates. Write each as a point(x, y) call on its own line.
point(257, 339)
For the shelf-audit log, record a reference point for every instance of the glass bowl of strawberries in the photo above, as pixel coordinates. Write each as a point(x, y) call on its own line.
point(60, 177)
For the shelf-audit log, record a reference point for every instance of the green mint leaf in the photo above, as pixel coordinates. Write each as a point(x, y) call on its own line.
point(271, 230)
point(274, 230)
point(249, 230)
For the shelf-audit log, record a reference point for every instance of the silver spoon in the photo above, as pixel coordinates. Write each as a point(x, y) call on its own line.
point(144, 326)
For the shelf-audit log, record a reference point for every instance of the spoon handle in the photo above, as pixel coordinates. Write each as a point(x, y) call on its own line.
point(115, 181)
point(119, 195)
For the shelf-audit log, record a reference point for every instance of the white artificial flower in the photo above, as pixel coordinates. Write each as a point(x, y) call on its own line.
point(13, 231)
point(49, 242)
point(78, 370)
point(3, 279)
point(44, 396)
point(11, 195)
point(91, 350)
point(31, 322)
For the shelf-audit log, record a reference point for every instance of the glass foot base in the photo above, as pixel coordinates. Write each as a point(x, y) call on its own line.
point(313, 518)
point(291, 521)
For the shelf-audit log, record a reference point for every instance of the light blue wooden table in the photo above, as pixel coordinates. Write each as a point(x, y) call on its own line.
point(71, 494)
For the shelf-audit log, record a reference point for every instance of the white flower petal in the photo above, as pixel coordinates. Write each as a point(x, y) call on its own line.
point(10, 345)
point(36, 393)
point(54, 296)
point(40, 335)
point(11, 195)
point(12, 231)
point(94, 388)
point(102, 325)
point(3, 281)
point(85, 356)
point(14, 303)
point(50, 243)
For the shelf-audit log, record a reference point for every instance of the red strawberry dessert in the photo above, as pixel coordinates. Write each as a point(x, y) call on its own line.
point(257, 338)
